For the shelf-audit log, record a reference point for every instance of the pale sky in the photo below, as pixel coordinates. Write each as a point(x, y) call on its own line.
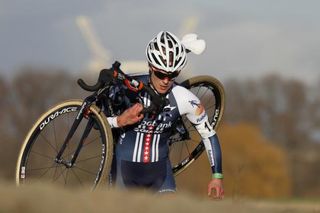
point(245, 38)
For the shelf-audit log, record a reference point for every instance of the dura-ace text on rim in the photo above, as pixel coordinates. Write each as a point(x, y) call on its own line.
point(40, 149)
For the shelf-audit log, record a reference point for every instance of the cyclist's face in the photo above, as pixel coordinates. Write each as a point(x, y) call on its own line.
point(161, 80)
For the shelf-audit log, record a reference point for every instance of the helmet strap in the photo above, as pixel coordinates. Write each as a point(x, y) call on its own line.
point(151, 83)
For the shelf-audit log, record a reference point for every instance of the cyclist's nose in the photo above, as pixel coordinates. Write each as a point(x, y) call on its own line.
point(166, 80)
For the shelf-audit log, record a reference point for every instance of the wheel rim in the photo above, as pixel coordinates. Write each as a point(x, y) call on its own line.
point(38, 160)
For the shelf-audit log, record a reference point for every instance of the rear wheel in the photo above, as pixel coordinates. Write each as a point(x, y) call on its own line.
point(36, 162)
point(184, 150)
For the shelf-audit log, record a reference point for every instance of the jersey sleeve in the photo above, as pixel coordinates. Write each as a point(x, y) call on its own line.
point(190, 105)
point(113, 122)
point(212, 145)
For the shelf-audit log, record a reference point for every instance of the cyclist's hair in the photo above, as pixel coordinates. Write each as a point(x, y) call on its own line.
point(166, 52)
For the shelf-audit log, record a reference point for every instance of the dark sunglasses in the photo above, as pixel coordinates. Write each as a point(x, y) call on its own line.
point(162, 75)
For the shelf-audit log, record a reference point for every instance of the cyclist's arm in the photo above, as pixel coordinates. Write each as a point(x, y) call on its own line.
point(130, 116)
point(212, 145)
point(190, 105)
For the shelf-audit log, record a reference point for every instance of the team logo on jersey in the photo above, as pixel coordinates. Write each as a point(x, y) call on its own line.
point(169, 108)
point(153, 127)
point(200, 108)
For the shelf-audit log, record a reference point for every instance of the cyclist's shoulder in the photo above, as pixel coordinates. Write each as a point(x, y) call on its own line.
point(186, 101)
point(184, 97)
point(181, 91)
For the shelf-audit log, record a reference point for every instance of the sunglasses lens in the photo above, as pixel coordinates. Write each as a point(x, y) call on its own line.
point(162, 76)
point(175, 74)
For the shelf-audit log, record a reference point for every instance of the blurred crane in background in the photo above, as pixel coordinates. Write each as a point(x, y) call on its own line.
point(101, 57)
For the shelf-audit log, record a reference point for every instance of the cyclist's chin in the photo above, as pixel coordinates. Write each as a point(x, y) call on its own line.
point(162, 89)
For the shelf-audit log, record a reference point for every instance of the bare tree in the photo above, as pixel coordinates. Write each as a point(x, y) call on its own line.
point(30, 94)
point(287, 111)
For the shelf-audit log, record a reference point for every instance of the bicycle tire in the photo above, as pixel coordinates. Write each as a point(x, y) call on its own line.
point(184, 153)
point(36, 161)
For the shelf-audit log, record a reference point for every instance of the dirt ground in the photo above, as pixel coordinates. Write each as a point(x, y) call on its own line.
point(48, 198)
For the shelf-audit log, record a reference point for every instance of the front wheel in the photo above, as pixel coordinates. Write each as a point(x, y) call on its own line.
point(211, 94)
point(36, 162)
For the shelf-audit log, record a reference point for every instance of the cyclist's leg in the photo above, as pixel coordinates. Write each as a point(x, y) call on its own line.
point(119, 183)
point(169, 185)
point(151, 176)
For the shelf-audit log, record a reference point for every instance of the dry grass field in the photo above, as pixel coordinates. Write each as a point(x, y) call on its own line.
point(49, 198)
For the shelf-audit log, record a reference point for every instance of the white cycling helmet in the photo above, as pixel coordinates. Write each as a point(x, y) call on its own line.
point(166, 52)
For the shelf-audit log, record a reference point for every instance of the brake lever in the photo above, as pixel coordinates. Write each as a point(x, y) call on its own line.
point(158, 101)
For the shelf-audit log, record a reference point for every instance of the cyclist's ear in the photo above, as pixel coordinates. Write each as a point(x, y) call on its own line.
point(106, 75)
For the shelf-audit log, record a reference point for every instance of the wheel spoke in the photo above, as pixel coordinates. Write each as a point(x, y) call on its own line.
point(48, 142)
point(89, 158)
point(84, 170)
point(58, 176)
point(41, 168)
point(45, 172)
point(197, 91)
point(91, 141)
point(77, 177)
point(204, 94)
point(208, 102)
point(65, 177)
point(54, 134)
point(42, 155)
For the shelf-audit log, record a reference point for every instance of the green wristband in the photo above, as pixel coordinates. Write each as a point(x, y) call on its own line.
point(217, 175)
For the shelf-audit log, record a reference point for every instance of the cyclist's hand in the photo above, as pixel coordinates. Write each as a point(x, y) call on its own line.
point(215, 188)
point(131, 115)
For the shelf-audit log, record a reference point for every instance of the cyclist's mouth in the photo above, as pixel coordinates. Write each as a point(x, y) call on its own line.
point(163, 87)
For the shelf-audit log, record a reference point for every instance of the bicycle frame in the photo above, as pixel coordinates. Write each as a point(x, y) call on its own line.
point(83, 112)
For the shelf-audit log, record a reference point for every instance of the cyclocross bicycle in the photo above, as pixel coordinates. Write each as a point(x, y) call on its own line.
point(72, 143)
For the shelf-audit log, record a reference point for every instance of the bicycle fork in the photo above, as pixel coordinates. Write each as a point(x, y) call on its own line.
point(84, 111)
